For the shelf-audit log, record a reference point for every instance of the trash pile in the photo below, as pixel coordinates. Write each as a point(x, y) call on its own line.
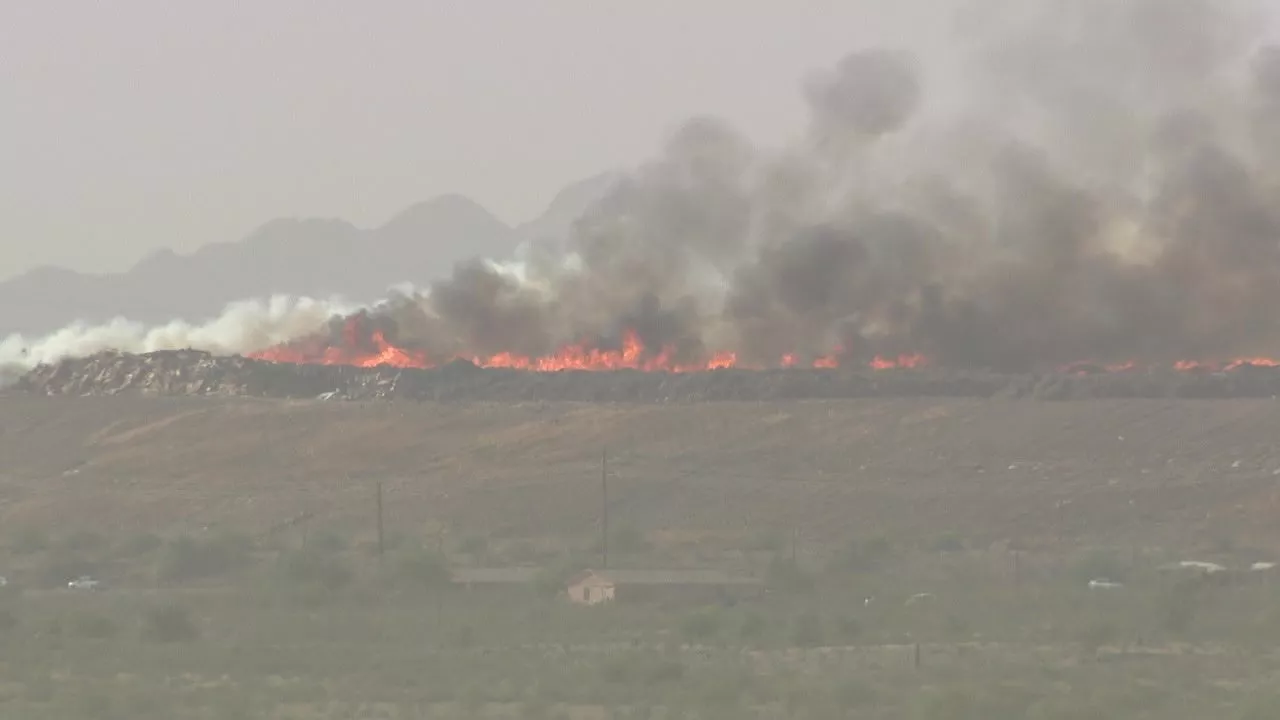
point(197, 373)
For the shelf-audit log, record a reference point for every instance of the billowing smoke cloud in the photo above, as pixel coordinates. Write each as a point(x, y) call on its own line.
point(242, 326)
point(1101, 185)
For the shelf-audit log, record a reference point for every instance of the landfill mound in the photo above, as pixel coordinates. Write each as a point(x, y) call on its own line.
point(197, 373)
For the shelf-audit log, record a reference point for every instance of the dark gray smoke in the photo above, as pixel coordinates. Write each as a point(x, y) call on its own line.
point(1099, 186)
point(870, 93)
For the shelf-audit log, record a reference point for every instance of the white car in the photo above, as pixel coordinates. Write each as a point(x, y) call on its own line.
point(3, 581)
point(84, 582)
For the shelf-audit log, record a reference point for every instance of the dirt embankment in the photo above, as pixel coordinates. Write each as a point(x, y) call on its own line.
point(1122, 473)
point(189, 372)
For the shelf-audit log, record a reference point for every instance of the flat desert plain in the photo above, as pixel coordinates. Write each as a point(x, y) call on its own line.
point(1166, 473)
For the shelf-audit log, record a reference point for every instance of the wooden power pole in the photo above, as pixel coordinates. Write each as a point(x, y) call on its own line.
point(381, 537)
point(604, 509)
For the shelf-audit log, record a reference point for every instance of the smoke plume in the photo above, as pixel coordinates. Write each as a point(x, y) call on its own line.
point(1101, 187)
point(243, 326)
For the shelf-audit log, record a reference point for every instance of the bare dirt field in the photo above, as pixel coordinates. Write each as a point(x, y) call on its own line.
point(902, 599)
point(1173, 473)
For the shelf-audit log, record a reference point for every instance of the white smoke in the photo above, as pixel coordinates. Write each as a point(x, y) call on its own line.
point(243, 327)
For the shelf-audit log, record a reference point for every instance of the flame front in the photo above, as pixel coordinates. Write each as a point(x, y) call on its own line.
point(355, 354)
point(360, 346)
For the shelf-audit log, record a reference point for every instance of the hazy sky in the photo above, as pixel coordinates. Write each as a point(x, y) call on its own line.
point(138, 124)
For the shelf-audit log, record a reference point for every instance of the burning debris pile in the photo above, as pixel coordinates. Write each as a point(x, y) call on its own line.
point(190, 372)
point(1102, 187)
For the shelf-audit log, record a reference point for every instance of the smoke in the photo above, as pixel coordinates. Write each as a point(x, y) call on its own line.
point(243, 326)
point(1101, 185)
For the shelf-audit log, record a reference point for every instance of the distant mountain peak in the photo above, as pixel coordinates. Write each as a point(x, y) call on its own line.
point(443, 209)
point(291, 226)
point(556, 222)
point(317, 257)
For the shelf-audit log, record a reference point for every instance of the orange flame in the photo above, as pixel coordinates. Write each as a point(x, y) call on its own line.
point(381, 353)
point(902, 361)
point(376, 350)
point(1189, 365)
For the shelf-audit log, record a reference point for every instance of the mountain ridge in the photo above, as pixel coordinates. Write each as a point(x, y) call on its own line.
point(316, 257)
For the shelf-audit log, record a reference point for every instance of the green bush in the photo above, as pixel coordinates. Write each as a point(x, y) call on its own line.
point(93, 626)
point(423, 570)
point(663, 671)
point(786, 576)
point(855, 693)
point(92, 703)
point(328, 542)
point(974, 703)
point(8, 620)
point(551, 581)
point(641, 669)
point(957, 627)
point(520, 552)
point(29, 541)
point(477, 546)
point(462, 636)
point(806, 630)
point(141, 544)
point(170, 624)
point(1100, 564)
point(1265, 706)
point(701, 626)
point(316, 569)
point(1097, 634)
point(863, 557)
point(1178, 609)
point(64, 565)
point(186, 559)
point(849, 629)
point(627, 540)
point(39, 689)
point(947, 542)
point(766, 540)
point(83, 540)
point(753, 626)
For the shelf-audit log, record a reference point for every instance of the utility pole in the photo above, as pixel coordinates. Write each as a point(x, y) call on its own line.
point(381, 541)
point(604, 509)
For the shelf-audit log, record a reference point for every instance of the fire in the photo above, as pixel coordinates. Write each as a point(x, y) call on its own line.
point(360, 344)
point(902, 361)
point(377, 351)
point(1189, 365)
point(632, 356)
point(1180, 366)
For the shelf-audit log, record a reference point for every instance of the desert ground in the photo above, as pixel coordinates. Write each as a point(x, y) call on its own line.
point(1183, 473)
point(237, 542)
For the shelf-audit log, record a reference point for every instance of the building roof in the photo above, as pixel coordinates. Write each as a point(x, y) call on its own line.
point(665, 577)
point(511, 575)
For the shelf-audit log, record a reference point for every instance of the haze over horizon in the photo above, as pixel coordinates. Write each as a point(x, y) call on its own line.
point(1047, 183)
point(176, 128)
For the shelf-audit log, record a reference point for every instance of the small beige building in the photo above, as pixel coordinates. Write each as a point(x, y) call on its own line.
point(592, 587)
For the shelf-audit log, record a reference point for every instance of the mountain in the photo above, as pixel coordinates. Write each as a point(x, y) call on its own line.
point(313, 257)
point(551, 227)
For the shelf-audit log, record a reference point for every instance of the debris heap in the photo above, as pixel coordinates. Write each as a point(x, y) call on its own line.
point(192, 372)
